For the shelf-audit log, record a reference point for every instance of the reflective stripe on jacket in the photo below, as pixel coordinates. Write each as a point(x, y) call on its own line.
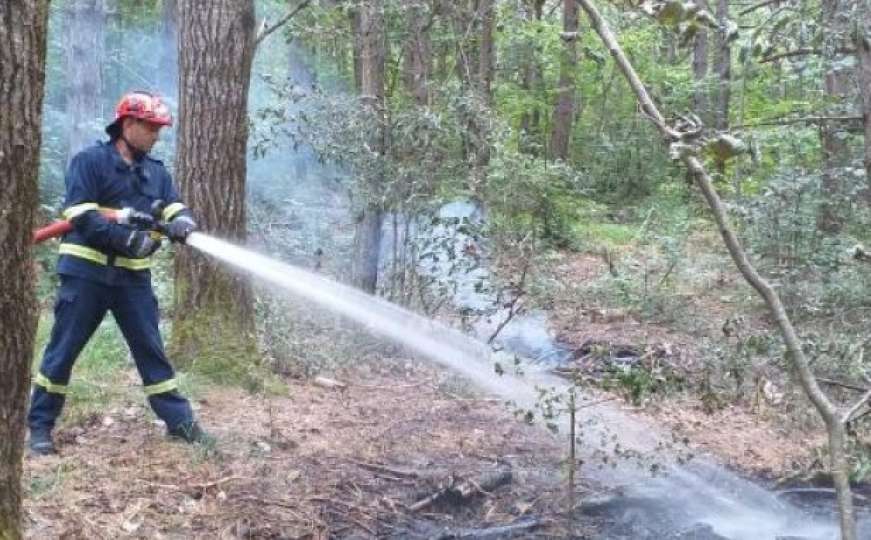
point(99, 178)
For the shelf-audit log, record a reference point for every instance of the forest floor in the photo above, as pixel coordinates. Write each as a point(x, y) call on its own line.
point(317, 462)
point(753, 434)
point(364, 459)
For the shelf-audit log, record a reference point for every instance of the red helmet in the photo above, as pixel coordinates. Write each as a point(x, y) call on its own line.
point(142, 105)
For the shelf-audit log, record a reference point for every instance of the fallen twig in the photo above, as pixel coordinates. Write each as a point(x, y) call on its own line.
point(464, 489)
point(500, 531)
point(402, 473)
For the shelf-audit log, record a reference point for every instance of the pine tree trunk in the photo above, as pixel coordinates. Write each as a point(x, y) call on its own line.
point(22, 72)
point(367, 236)
point(214, 315)
point(85, 25)
point(564, 110)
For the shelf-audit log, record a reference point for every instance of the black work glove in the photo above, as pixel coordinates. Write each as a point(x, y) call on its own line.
point(136, 219)
point(140, 244)
point(180, 228)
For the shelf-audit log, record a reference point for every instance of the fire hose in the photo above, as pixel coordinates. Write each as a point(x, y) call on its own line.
point(138, 220)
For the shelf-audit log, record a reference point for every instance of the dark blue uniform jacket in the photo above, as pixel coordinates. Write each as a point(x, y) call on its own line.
point(99, 178)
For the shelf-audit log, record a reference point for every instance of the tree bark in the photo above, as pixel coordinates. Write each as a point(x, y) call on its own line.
point(84, 35)
point(834, 417)
point(486, 53)
point(214, 317)
point(532, 140)
point(356, 52)
point(367, 235)
point(22, 79)
point(700, 76)
point(417, 56)
point(564, 110)
point(863, 49)
point(723, 69)
point(486, 68)
point(836, 88)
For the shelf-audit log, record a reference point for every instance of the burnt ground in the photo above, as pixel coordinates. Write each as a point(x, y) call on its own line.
point(317, 462)
point(755, 435)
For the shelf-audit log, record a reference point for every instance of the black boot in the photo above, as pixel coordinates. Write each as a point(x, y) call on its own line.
point(192, 433)
point(41, 443)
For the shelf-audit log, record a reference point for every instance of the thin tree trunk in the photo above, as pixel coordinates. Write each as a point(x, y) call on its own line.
point(22, 76)
point(834, 418)
point(564, 110)
point(836, 88)
point(84, 29)
point(357, 33)
point(214, 315)
point(532, 140)
point(863, 49)
point(367, 236)
point(700, 76)
point(486, 53)
point(723, 69)
point(417, 55)
point(486, 67)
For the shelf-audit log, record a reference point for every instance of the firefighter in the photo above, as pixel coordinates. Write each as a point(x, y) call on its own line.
point(104, 266)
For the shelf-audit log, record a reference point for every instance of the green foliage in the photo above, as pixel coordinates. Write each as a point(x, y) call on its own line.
point(527, 195)
point(815, 270)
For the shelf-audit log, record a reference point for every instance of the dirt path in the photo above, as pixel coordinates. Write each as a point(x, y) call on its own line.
point(317, 463)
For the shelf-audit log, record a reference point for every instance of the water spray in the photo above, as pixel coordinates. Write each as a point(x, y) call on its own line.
point(435, 341)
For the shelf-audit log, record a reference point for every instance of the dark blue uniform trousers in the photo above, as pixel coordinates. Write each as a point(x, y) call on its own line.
point(80, 307)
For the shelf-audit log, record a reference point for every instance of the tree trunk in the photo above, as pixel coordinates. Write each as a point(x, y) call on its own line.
point(417, 55)
point(367, 236)
point(532, 140)
point(836, 88)
point(84, 36)
point(22, 72)
point(486, 68)
point(700, 76)
point(863, 49)
point(564, 110)
point(214, 317)
point(168, 67)
point(486, 53)
point(723, 69)
point(356, 52)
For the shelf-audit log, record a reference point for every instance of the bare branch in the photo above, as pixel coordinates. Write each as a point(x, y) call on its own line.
point(513, 307)
point(854, 408)
point(804, 51)
point(848, 386)
point(802, 120)
point(266, 30)
point(760, 5)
